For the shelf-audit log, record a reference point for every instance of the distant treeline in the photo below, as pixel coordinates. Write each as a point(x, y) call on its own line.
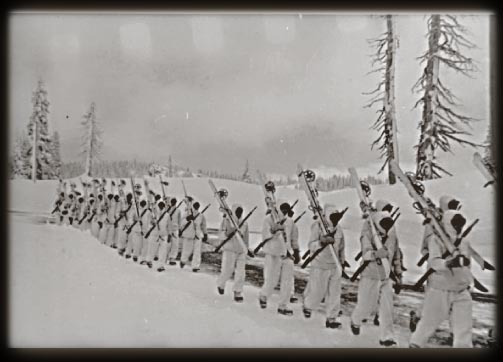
point(124, 169)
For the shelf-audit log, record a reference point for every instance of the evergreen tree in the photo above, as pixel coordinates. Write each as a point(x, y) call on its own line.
point(21, 166)
point(440, 124)
point(91, 145)
point(38, 131)
point(56, 155)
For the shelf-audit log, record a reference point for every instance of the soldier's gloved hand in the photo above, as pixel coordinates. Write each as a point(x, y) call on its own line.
point(276, 227)
point(296, 256)
point(457, 261)
point(189, 218)
point(205, 237)
point(426, 221)
point(381, 253)
point(326, 239)
point(179, 233)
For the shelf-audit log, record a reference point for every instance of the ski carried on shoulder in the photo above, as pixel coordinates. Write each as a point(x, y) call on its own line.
point(307, 178)
point(221, 196)
point(485, 168)
point(428, 210)
point(384, 268)
point(269, 190)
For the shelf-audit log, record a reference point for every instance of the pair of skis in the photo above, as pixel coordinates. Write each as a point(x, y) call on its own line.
point(383, 265)
point(221, 196)
point(429, 211)
point(307, 178)
point(269, 190)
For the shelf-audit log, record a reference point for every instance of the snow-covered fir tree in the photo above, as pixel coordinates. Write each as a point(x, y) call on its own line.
point(92, 143)
point(440, 123)
point(21, 166)
point(384, 60)
point(56, 155)
point(38, 131)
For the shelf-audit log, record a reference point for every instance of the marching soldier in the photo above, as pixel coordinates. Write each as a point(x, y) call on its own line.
point(233, 254)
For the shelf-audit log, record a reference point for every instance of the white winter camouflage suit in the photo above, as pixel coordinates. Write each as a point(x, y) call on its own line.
point(191, 238)
point(164, 242)
point(277, 264)
point(175, 224)
point(325, 273)
point(233, 253)
point(371, 289)
point(447, 293)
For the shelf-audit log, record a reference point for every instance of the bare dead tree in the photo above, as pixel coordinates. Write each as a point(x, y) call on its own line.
point(383, 61)
point(440, 124)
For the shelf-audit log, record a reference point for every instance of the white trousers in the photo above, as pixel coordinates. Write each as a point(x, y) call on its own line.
point(371, 292)
point(95, 229)
point(137, 243)
point(111, 231)
point(152, 246)
point(324, 283)
point(191, 246)
point(173, 247)
point(103, 233)
point(162, 253)
point(438, 306)
point(275, 267)
point(232, 263)
point(143, 249)
point(122, 237)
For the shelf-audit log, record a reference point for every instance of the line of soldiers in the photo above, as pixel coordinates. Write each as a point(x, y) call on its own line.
point(149, 230)
point(144, 226)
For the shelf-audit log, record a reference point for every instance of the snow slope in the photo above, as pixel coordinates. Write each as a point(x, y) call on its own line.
point(67, 290)
point(478, 202)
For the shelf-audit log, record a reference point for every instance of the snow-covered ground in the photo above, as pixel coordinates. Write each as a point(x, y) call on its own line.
point(478, 202)
point(68, 290)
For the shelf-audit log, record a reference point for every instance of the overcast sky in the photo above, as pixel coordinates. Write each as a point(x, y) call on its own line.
point(215, 90)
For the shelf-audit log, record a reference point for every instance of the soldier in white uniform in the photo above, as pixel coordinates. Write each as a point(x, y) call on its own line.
point(326, 273)
point(448, 293)
point(371, 289)
point(175, 224)
point(233, 254)
point(163, 241)
point(193, 235)
point(278, 263)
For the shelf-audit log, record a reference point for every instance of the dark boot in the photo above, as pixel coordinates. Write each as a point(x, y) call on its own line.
point(160, 269)
point(285, 311)
point(332, 323)
point(387, 343)
point(220, 290)
point(307, 312)
point(376, 320)
point(355, 329)
point(238, 297)
point(263, 302)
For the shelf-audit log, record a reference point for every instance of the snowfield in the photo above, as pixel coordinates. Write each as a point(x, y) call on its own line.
point(68, 290)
